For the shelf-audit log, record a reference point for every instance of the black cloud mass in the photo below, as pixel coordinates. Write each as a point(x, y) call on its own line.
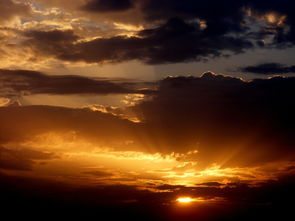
point(180, 38)
point(269, 69)
point(217, 114)
point(175, 41)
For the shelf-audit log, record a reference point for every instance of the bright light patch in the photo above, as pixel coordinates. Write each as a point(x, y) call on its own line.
point(185, 200)
point(4, 101)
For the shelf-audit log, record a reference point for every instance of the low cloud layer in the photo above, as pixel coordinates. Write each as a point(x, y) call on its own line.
point(227, 120)
point(269, 69)
point(21, 158)
point(36, 120)
point(236, 202)
point(15, 83)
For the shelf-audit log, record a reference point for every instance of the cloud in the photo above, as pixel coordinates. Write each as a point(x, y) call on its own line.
point(21, 159)
point(269, 69)
point(92, 126)
point(285, 8)
point(17, 82)
point(227, 16)
point(53, 36)
point(211, 184)
point(99, 173)
point(173, 31)
point(244, 128)
point(228, 120)
point(108, 5)
point(212, 10)
point(221, 17)
point(52, 42)
point(4, 101)
point(175, 41)
point(10, 9)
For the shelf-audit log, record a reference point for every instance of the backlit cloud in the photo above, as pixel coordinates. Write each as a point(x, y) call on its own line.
point(201, 123)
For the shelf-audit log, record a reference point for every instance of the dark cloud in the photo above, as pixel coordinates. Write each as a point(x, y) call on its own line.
point(269, 69)
point(285, 7)
point(178, 41)
point(16, 82)
point(227, 13)
point(108, 5)
point(228, 17)
point(211, 184)
point(10, 9)
point(181, 31)
point(51, 42)
point(53, 36)
point(224, 16)
point(174, 41)
point(252, 122)
point(98, 173)
point(21, 159)
point(24, 123)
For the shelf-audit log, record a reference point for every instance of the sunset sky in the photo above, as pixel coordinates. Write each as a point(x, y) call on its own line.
point(148, 109)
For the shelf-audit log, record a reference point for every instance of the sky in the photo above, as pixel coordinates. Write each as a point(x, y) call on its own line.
point(147, 109)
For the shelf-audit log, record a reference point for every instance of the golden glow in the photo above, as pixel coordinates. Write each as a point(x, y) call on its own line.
point(88, 162)
point(274, 18)
point(4, 101)
point(185, 200)
point(128, 27)
point(203, 24)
